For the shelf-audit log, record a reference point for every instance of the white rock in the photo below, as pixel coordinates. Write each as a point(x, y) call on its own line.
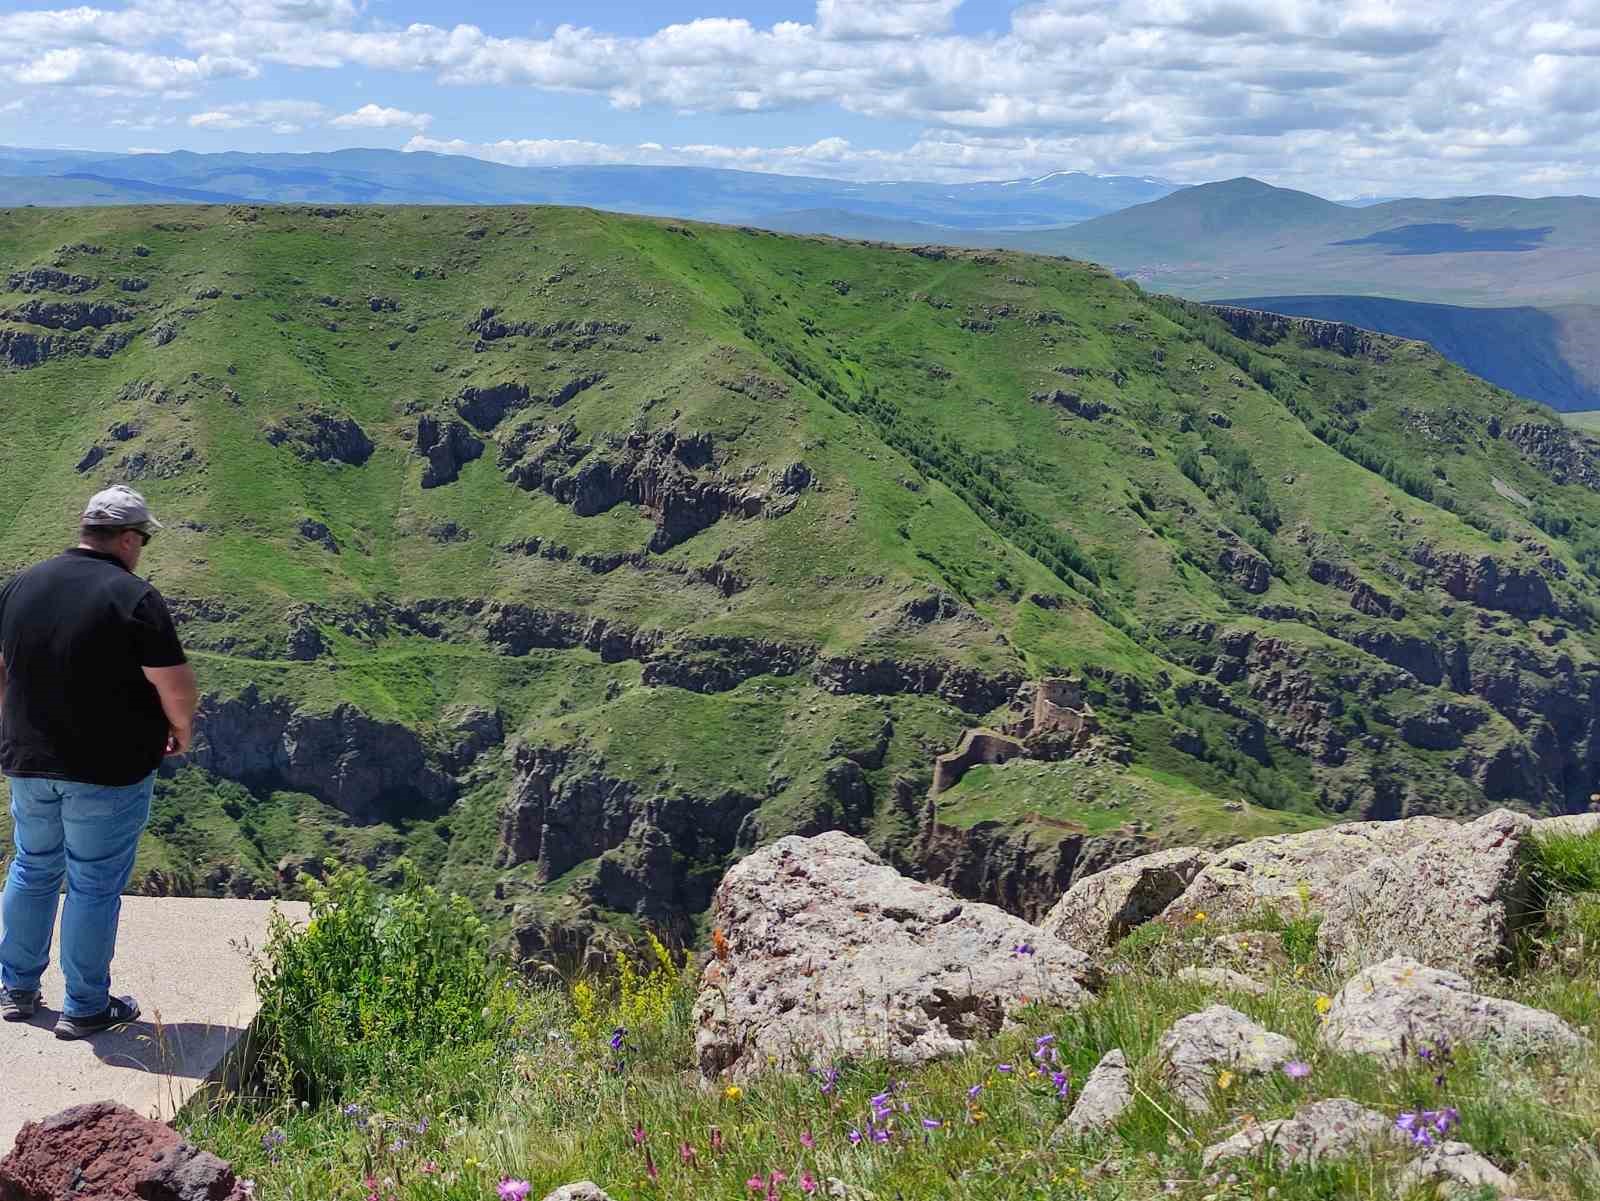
point(1400, 1006)
point(1100, 909)
point(1224, 978)
point(1105, 1095)
point(1321, 1130)
point(831, 954)
point(1455, 1167)
point(583, 1190)
point(1569, 823)
point(1198, 1048)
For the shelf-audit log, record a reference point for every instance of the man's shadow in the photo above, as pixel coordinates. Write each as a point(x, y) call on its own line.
point(185, 1050)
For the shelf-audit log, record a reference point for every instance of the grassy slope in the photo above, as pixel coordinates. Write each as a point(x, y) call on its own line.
point(905, 382)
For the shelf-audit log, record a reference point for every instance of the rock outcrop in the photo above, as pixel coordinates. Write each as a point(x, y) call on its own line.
point(1454, 901)
point(1102, 908)
point(107, 1151)
point(1455, 1169)
point(828, 951)
point(1319, 1131)
point(1197, 1049)
point(447, 446)
point(368, 769)
point(322, 437)
point(1103, 1099)
point(1399, 1007)
point(1450, 893)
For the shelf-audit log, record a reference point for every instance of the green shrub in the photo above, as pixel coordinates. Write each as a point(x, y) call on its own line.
point(375, 982)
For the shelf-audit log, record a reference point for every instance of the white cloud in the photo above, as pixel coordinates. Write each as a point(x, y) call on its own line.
point(279, 116)
point(1342, 96)
point(374, 116)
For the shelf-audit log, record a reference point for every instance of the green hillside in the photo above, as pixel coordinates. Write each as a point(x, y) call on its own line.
point(571, 554)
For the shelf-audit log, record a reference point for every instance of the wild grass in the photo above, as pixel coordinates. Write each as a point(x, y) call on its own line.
point(593, 1076)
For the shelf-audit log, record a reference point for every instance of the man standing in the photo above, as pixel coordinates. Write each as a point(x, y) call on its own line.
point(94, 689)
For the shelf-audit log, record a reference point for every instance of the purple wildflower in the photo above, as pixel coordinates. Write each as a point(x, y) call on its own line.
point(855, 1137)
point(1004, 1068)
point(1063, 1084)
point(1022, 948)
point(618, 1037)
point(972, 1093)
point(931, 1124)
point(514, 1190)
point(826, 1079)
point(1297, 1069)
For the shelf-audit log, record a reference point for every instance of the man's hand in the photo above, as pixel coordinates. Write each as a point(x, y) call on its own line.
point(179, 697)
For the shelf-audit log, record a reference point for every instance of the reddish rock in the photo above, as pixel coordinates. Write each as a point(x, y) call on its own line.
point(105, 1152)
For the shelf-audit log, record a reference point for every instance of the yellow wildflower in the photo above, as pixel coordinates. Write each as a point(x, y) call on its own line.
point(1200, 916)
point(1324, 1003)
point(733, 1092)
point(1225, 1080)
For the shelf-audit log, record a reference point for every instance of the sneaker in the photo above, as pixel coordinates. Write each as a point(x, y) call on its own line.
point(17, 1005)
point(119, 1012)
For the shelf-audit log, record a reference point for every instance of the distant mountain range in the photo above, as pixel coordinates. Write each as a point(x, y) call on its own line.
point(1503, 285)
point(45, 177)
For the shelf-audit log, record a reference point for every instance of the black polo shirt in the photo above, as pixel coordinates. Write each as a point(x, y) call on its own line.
point(76, 632)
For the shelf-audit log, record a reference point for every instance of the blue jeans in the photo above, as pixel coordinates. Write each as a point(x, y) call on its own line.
point(88, 834)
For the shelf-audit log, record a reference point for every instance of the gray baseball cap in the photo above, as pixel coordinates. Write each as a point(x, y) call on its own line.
point(119, 505)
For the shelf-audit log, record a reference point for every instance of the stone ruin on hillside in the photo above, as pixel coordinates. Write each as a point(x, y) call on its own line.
point(1056, 723)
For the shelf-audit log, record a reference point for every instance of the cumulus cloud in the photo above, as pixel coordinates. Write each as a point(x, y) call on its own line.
point(1336, 95)
point(279, 116)
point(375, 116)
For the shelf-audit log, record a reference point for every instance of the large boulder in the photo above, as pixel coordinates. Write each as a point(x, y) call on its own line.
point(1400, 1006)
point(1100, 909)
point(1318, 1131)
point(1452, 902)
point(1289, 873)
point(1450, 893)
point(1568, 823)
point(825, 951)
point(106, 1152)
point(1105, 1095)
point(1197, 1049)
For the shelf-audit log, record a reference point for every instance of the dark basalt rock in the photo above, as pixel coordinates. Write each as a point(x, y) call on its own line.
point(486, 407)
point(1487, 583)
point(966, 688)
point(315, 531)
point(70, 315)
point(447, 446)
point(1566, 456)
point(368, 769)
point(1246, 569)
point(1270, 328)
point(50, 279)
point(1078, 406)
point(323, 437)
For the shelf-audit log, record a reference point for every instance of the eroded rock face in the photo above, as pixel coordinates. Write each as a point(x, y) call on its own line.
point(1105, 1096)
point(1321, 1130)
point(831, 952)
point(1102, 908)
point(323, 437)
point(1198, 1048)
point(1398, 1007)
point(70, 315)
point(447, 446)
point(1453, 901)
point(365, 768)
point(50, 279)
point(104, 1150)
point(1487, 583)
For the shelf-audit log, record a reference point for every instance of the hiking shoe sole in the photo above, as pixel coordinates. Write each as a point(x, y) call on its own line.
point(18, 1006)
point(119, 1012)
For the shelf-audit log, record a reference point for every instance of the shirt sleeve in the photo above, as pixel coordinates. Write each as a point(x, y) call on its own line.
point(155, 634)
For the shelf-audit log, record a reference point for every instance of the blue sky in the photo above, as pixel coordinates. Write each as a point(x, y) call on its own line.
point(1341, 97)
